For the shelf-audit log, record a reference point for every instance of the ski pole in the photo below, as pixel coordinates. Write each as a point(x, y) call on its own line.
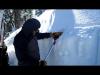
point(50, 50)
point(43, 62)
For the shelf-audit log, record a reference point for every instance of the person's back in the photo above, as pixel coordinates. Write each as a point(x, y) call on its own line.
point(20, 44)
point(22, 40)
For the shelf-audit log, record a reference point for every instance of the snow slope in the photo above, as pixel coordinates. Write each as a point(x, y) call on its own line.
point(78, 45)
point(10, 48)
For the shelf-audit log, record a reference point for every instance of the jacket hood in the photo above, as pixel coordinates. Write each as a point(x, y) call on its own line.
point(29, 26)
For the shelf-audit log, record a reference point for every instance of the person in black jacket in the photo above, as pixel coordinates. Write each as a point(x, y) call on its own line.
point(26, 44)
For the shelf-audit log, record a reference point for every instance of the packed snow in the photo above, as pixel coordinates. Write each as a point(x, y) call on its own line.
point(79, 43)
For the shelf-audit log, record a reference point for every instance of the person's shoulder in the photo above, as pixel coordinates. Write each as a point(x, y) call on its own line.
point(18, 38)
point(18, 35)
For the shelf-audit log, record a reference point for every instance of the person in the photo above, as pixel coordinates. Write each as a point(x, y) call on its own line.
point(4, 58)
point(26, 43)
point(4, 55)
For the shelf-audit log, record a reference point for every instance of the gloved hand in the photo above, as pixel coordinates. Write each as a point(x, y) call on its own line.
point(42, 63)
point(56, 35)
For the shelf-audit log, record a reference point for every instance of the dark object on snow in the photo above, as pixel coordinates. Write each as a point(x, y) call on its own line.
point(26, 44)
point(3, 56)
point(42, 63)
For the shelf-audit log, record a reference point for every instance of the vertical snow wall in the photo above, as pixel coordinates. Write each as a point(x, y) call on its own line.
point(79, 43)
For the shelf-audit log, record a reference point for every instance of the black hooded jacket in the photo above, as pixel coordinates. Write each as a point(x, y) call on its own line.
point(26, 45)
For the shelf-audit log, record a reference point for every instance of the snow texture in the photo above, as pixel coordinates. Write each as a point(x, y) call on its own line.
point(78, 45)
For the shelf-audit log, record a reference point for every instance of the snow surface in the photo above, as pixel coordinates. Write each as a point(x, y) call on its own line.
point(10, 48)
point(79, 43)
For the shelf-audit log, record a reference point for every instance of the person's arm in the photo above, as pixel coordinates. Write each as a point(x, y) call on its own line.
point(54, 35)
point(43, 35)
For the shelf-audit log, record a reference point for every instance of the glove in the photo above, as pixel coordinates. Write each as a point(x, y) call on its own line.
point(42, 63)
point(56, 35)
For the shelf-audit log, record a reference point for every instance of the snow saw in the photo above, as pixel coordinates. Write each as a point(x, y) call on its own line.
point(55, 35)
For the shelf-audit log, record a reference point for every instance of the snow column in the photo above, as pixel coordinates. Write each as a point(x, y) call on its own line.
point(79, 44)
point(88, 33)
point(63, 21)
